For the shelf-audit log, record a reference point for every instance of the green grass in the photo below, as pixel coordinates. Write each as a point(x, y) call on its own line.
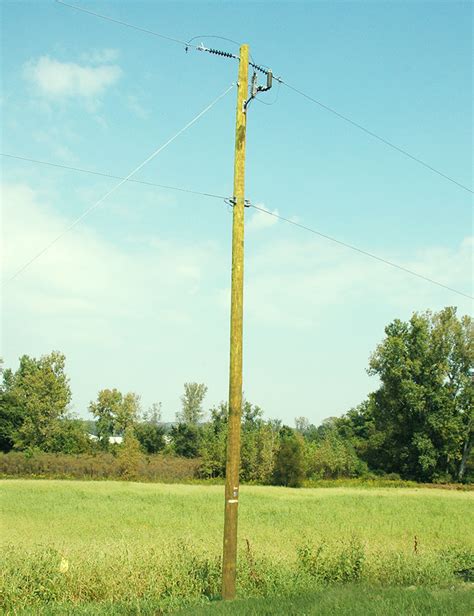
point(350, 601)
point(346, 601)
point(156, 545)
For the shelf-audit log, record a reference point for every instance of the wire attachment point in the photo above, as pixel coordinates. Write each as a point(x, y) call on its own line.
point(232, 201)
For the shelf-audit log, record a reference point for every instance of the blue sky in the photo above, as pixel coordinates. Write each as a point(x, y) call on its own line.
point(137, 295)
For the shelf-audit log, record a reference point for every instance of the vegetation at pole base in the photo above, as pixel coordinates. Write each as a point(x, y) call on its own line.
point(102, 545)
point(348, 600)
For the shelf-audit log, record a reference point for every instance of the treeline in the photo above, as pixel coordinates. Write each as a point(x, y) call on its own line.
point(418, 425)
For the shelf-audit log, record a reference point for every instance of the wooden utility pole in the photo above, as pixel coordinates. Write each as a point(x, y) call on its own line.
point(236, 329)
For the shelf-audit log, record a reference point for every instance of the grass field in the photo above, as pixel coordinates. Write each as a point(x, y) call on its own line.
point(113, 547)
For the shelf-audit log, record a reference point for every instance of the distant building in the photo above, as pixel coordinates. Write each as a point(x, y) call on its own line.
point(113, 440)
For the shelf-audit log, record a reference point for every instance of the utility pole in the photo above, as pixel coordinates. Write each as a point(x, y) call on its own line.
point(236, 330)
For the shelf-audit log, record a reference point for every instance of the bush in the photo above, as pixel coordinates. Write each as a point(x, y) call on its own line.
point(332, 458)
point(129, 456)
point(186, 440)
point(96, 466)
point(151, 437)
point(68, 436)
point(289, 464)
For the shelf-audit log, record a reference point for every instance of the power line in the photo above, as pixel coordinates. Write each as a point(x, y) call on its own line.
point(222, 38)
point(122, 181)
point(264, 69)
point(230, 202)
point(185, 44)
point(363, 252)
point(375, 136)
point(274, 100)
point(111, 176)
point(127, 25)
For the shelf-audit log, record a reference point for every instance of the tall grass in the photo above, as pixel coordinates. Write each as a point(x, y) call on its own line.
point(107, 543)
point(173, 576)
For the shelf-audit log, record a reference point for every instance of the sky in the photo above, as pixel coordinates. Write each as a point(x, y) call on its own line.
point(137, 294)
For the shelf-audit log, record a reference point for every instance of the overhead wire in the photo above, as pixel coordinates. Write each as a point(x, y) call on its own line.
point(122, 181)
point(230, 203)
point(126, 24)
point(111, 176)
point(374, 135)
point(269, 104)
point(215, 36)
point(361, 251)
point(264, 69)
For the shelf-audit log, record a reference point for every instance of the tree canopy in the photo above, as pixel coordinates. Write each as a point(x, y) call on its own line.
point(417, 425)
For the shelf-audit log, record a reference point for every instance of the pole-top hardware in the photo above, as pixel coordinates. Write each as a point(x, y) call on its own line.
point(255, 88)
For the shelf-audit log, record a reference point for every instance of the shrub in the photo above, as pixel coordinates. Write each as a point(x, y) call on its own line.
point(186, 440)
point(289, 464)
point(150, 436)
point(332, 458)
point(129, 456)
point(95, 466)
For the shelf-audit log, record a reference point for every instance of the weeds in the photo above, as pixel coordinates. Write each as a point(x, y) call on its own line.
point(341, 563)
point(181, 576)
point(88, 543)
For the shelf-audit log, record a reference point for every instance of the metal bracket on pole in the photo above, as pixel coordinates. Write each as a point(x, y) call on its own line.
point(255, 89)
point(232, 201)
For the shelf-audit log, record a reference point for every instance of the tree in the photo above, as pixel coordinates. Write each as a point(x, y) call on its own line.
point(129, 455)
point(289, 463)
point(259, 445)
point(154, 413)
point(333, 457)
point(69, 436)
point(186, 440)
point(127, 412)
point(213, 443)
point(33, 400)
point(114, 413)
point(149, 432)
point(424, 407)
point(192, 399)
point(359, 428)
point(302, 425)
point(11, 413)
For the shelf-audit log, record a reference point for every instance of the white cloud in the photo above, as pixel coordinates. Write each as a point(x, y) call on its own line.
point(59, 80)
point(260, 220)
point(126, 316)
point(297, 281)
point(86, 271)
point(146, 316)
